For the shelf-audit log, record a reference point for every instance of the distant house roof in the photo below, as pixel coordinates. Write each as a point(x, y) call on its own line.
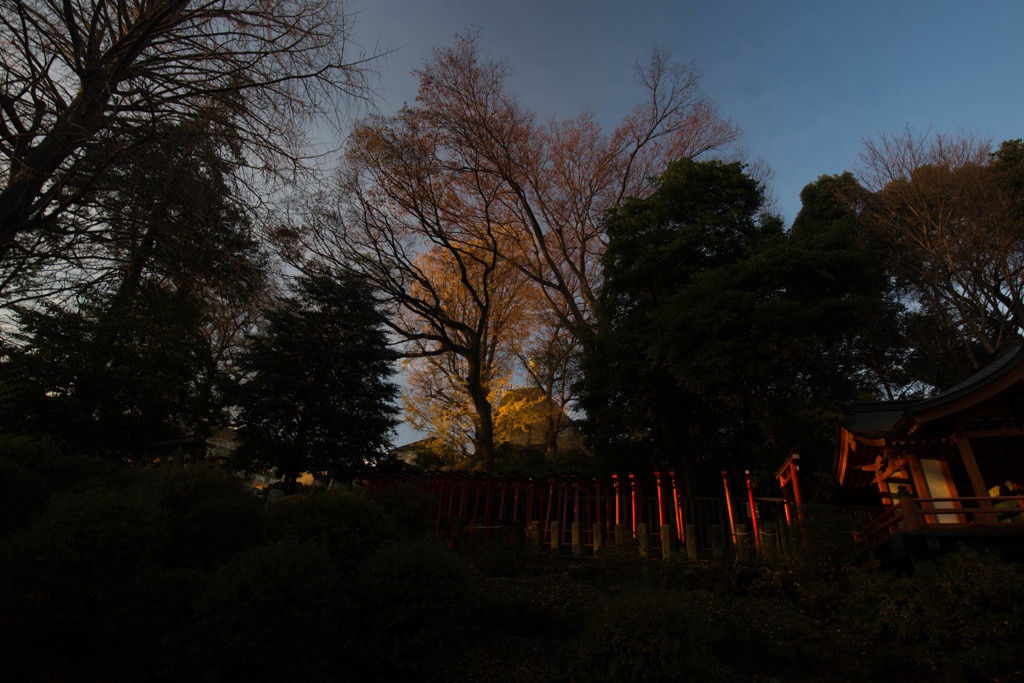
point(409, 451)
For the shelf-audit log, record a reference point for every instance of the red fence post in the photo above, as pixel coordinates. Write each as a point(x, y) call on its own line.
point(680, 526)
point(728, 505)
point(753, 510)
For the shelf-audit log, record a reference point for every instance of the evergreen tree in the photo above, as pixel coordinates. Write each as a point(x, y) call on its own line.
point(110, 379)
point(135, 358)
point(316, 395)
point(727, 341)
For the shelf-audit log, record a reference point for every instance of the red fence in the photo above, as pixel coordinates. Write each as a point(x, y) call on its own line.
point(474, 508)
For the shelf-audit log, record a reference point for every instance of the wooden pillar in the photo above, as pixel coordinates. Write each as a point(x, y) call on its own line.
point(634, 495)
point(796, 483)
point(680, 527)
point(987, 515)
point(661, 507)
point(617, 485)
point(908, 507)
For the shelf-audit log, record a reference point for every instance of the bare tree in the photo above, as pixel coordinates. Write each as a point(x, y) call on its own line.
point(455, 385)
point(557, 178)
point(83, 80)
point(549, 358)
point(936, 203)
point(471, 176)
point(431, 241)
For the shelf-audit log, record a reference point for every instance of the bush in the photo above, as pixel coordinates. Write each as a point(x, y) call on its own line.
point(963, 614)
point(45, 609)
point(346, 523)
point(761, 637)
point(215, 530)
point(142, 629)
point(68, 596)
point(819, 547)
point(648, 635)
point(414, 598)
point(25, 495)
point(180, 489)
point(274, 612)
point(106, 532)
point(550, 606)
point(46, 458)
point(409, 508)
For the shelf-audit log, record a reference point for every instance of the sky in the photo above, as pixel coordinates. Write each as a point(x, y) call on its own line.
point(804, 81)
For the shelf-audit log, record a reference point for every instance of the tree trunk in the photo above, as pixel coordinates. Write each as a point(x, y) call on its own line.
point(553, 425)
point(483, 439)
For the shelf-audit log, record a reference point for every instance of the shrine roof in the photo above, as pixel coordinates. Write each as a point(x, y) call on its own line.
point(879, 419)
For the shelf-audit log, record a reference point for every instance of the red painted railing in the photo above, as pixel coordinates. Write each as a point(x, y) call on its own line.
point(470, 507)
point(965, 512)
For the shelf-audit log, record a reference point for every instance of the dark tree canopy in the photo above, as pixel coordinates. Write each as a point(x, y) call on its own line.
point(85, 81)
point(135, 356)
point(727, 340)
point(947, 213)
point(111, 379)
point(316, 395)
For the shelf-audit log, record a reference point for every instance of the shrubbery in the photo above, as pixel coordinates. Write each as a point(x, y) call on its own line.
point(819, 546)
point(216, 529)
point(649, 635)
point(26, 494)
point(274, 612)
point(414, 598)
point(59, 468)
point(409, 507)
point(345, 523)
point(107, 532)
point(961, 615)
point(173, 575)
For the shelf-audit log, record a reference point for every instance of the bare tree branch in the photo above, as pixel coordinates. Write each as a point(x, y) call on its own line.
point(77, 75)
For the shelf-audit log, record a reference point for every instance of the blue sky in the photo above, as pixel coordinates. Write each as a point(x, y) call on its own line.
point(805, 81)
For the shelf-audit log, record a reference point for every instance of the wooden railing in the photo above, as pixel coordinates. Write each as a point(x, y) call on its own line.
point(912, 514)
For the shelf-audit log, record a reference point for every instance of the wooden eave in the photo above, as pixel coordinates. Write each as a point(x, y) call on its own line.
point(992, 380)
point(870, 429)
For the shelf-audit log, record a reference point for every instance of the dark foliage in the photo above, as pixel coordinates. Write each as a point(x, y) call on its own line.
point(414, 599)
point(275, 611)
point(110, 380)
point(727, 341)
point(345, 524)
point(169, 575)
point(316, 395)
point(959, 616)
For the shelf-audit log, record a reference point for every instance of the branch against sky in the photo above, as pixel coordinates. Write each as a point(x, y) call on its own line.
point(431, 241)
point(81, 75)
point(469, 179)
point(557, 178)
point(946, 208)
